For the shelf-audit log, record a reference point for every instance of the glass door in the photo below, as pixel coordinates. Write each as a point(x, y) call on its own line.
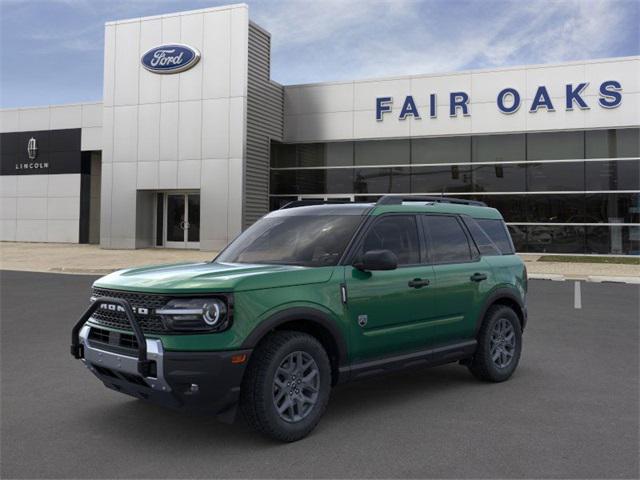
point(182, 220)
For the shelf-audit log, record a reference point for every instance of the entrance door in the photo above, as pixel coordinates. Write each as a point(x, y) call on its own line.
point(182, 220)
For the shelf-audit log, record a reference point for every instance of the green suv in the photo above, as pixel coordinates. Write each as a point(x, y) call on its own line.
point(309, 297)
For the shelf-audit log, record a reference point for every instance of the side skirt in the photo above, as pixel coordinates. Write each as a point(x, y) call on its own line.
point(423, 358)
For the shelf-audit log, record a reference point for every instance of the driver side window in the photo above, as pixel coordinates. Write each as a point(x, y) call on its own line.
point(397, 233)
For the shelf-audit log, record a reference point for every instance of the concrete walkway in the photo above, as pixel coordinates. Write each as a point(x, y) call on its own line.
point(70, 258)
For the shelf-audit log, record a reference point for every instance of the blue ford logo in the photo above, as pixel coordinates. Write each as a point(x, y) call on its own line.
point(172, 58)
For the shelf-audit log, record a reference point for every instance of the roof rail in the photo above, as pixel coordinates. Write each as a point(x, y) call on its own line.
point(312, 201)
point(398, 200)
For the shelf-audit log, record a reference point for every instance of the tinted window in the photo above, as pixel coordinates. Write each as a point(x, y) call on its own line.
point(548, 177)
point(307, 240)
point(382, 180)
point(481, 238)
point(497, 232)
point(613, 143)
point(499, 148)
point(499, 178)
point(382, 152)
point(555, 145)
point(441, 150)
point(444, 178)
point(613, 175)
point(396, 233)
point(447, 240)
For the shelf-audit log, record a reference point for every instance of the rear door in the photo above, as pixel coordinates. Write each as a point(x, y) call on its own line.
point(389, 311)
point(461, 277)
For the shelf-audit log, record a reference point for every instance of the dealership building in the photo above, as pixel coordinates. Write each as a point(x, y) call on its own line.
point(193, 142)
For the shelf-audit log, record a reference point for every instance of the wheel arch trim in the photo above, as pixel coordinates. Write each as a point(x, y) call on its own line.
point(502, 293)
point(304, 314)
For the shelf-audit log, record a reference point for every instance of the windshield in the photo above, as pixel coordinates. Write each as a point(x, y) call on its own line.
point(306, 240)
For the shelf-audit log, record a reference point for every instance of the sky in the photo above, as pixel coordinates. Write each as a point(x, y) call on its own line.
point(51, 51)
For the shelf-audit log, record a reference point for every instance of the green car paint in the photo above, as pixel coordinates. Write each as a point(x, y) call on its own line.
point(398, 319)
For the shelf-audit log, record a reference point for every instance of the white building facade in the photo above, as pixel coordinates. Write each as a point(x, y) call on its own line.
point(190, 157)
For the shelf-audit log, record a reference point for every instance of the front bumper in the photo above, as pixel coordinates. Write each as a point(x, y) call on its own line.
point(207, 381)
point(200, 380)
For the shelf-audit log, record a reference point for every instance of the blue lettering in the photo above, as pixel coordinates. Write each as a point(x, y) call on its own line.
point(573, 95)
point(610, 96)
point(409, 108)
point(458, 99)
point(383, 104)
point(542, 99)
point(505, 93)
point(433, 106)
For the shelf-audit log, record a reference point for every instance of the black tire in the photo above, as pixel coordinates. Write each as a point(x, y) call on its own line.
point(483, 365)
point(258, 392)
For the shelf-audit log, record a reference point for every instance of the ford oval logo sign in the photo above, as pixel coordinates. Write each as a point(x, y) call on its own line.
point(172, 58)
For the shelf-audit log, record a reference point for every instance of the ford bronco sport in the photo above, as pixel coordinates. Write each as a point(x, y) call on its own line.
point(308, 297)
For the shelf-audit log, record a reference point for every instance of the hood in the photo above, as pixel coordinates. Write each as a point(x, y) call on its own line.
point(210, 277)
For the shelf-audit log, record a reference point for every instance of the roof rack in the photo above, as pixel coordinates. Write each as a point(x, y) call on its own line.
point(312, 201)
point(398, 200)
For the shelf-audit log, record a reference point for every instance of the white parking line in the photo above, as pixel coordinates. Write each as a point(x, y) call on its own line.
point(577, 295)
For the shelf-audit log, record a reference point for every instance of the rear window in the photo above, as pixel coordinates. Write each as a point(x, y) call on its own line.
point(498, 233)
point(480, 237)
point(448, 242)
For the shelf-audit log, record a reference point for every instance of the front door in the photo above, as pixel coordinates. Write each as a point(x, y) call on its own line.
point(182, 220)
point(390, 311)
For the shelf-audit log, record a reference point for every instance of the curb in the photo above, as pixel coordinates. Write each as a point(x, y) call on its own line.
point(588, 278)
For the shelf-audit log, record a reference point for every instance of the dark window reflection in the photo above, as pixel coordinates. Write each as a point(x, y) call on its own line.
point(612, 208)
point(543, 177)
point(613, 240)
point(275, 203)
point(441, 150)
point(548, 238)
point(499, 148)
point(447, 241)
point(556, 208)
point(382, 152)
point(613, 175)
point(613, 143)
point(447, 178)
point(555, 145)
point(283, 155)
point(512, 207)
point(382, 180)
point(499, 178)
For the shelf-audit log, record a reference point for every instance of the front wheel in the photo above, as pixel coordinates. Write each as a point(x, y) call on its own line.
point(499, 345)
point(286, 387)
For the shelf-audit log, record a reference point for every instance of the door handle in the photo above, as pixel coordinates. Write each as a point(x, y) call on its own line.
point(418, 283)
point(478, 277)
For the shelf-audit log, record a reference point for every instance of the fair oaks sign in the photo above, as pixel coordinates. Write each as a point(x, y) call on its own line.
point(508, 101)
point(173, 58)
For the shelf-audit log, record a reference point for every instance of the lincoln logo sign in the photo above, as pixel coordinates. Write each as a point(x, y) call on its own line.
point(508, 101)
point(172, 58)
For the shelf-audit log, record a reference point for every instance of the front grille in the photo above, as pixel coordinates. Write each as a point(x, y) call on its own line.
point(150, 323)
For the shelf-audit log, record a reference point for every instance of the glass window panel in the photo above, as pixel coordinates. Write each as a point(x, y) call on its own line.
point(512, 207)
point(441, 150)
point(499, 148)
point(382, 152)
point(612, 208)
point(497, 232)
point(499, 178)
point(310, 154)
point(543, 177)
point(382, 180)
point(339, 180)
point(339, 154)
point(193, 234)
point(283, 182)
point(519, 237)
point(613, 175)
point(613, 143)
point(613, 240)
point(440, 179)
point(556, 208)
point(276, 203)
point(283, 155)
point(555, 239)
point(396, 233)
point(447, 241)
point(555, 145)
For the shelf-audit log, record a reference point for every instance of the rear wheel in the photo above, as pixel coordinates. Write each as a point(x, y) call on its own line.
point(286, 386)
point(499, 345)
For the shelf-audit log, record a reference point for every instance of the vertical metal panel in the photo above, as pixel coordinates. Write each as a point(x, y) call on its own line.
point(265, 120)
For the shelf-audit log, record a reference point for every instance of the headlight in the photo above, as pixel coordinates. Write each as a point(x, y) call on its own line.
point(195, 314)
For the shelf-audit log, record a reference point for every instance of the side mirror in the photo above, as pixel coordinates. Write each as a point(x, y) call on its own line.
point(377, 260)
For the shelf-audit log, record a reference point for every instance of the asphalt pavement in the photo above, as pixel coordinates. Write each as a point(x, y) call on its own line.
point(570, 410)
